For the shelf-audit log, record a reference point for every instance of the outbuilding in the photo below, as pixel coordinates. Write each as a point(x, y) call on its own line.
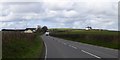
point(88, 28)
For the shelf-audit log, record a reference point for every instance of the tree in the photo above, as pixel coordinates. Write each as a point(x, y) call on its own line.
point(44, 28)
point(39, 30)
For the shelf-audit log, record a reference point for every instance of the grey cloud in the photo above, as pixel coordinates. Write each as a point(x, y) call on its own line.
point(69, 14)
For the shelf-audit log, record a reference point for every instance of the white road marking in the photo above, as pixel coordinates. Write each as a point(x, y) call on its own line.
point(90, 54)
point(46, 51)
point(74, 47)
point(69, 45)
point(64, 43)
point(98, 46)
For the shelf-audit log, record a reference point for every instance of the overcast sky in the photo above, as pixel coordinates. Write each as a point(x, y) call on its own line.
point(102, 14)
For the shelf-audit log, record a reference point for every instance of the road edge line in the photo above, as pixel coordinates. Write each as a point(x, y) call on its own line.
point(45, 51)
point(99, 46)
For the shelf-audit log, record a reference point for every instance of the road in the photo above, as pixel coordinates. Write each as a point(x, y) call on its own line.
point(60, 48)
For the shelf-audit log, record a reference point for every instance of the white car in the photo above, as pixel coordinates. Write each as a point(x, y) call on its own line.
point(47, 33)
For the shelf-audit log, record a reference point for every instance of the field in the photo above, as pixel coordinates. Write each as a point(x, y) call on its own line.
point(21, 45)
point(96, 37)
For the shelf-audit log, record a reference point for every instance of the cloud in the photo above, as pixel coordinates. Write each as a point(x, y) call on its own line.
point(58, 0)
point(20, 0)
point(20, 11)
point(71, 13)
point(62, 13)
point(58, 5)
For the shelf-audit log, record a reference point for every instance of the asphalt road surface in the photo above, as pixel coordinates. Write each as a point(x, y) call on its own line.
point(60, 48)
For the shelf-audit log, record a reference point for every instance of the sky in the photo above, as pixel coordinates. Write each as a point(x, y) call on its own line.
point(77, 14)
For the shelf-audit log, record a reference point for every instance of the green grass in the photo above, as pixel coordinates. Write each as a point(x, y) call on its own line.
point(21, 45)
point(95, 37)
point(35, 50)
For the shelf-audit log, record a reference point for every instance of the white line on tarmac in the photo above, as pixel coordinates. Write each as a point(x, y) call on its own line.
point(74, 47)
point(69, 45)
point(46, 51)
point(64, 43)
point(90, 54)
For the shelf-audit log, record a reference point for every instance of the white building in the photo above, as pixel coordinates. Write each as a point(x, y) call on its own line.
point(88, 28)
point(30, 30)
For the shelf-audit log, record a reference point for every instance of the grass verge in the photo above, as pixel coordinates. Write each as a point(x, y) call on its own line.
point(21, 45)
point(100, 38)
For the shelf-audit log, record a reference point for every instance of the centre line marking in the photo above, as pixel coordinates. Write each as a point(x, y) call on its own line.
point(90, 54)
point(73, 47)
point(69, 45)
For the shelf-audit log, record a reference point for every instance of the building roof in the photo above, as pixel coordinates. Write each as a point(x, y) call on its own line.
point(18, 29)
point(13, 29)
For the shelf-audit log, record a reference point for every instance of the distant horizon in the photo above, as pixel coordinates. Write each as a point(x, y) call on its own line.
point(59, 28)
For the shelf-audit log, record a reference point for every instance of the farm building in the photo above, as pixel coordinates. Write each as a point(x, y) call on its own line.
point(88, 28)
point(30, 30)
point(13, 30)
point(27, 30)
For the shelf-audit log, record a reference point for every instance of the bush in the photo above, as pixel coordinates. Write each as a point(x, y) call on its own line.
point(21, 45)
point(101, 38)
